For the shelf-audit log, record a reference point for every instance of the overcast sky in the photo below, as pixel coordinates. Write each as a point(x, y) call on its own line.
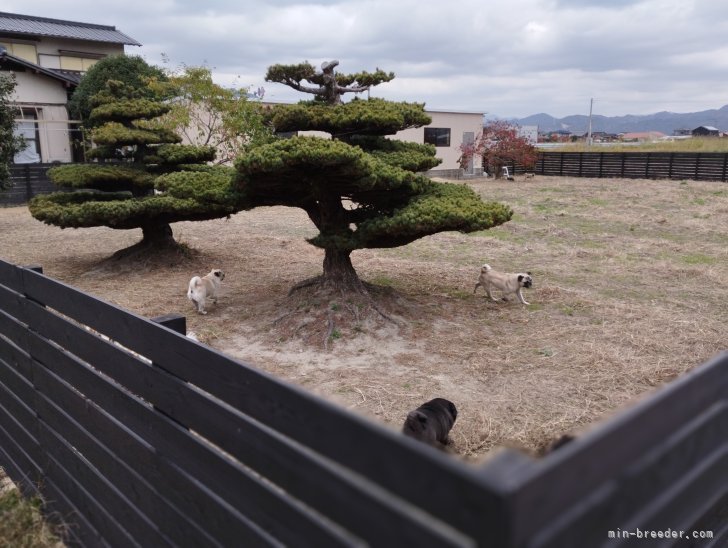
point(509, 58)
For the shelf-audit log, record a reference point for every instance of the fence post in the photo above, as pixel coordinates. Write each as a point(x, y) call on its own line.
point(725, 166)
point(669, 167)
point(624, 157)
point(647, 167)
point(175, 322)
point(601, 163)
point(697, 165)
point(178, 323)
point(28, 189)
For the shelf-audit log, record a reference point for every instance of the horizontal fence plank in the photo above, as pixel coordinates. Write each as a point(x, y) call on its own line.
point(15, 371)
point(367, 448)
point(20, 444)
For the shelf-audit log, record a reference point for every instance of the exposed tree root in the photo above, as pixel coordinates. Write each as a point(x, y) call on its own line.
point(320, 311)
point(148, 255)
point(327, 337)
point(306, 283)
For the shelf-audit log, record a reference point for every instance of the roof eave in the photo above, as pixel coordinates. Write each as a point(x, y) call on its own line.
point(37, 69)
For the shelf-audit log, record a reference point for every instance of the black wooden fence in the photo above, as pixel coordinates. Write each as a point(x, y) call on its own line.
point(634, 165)
point(27, 181)
point(164, 441)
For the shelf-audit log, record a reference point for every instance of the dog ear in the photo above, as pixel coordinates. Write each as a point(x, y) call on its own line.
point(520, 277)
point(217, 273)
point(421, 417)
point(529, 273)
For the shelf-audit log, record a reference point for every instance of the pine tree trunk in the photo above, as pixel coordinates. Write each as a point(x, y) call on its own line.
point(339, 273)
point(157, 235)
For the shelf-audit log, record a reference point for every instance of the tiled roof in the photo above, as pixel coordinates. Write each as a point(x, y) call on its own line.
point(42, 26)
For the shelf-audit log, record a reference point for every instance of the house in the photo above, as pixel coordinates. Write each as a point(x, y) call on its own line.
point(706, 131)
point(448, 131)
point(48, 58)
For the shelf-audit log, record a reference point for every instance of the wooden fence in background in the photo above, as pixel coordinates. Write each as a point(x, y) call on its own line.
point(634, 165)
point(134, 434)
point(27, 181)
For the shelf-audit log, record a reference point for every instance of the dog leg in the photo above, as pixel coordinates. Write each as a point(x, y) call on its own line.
point(476, 287)
point(487, 290)
point(520, 296)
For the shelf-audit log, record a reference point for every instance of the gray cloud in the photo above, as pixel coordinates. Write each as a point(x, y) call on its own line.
point(514, 57)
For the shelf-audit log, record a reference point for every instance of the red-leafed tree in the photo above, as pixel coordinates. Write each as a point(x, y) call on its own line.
point(499, 145)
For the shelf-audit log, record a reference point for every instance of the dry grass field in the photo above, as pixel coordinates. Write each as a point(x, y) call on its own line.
point(629, 292)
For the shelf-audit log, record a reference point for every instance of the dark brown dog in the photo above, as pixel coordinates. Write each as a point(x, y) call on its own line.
point(431, 422)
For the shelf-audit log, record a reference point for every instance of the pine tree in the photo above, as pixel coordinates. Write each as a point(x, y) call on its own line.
point(143, 177)
point(359, 188)
point(10, 144)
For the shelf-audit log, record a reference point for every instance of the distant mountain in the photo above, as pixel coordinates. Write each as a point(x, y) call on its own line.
point(666, 122)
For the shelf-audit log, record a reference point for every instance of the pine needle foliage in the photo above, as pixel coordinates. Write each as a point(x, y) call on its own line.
point(10, 144)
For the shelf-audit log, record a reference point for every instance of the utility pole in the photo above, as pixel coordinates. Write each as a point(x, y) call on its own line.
point(589, 134)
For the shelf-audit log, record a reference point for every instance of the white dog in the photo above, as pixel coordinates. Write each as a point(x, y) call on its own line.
point(507, 283)
point(202, 288)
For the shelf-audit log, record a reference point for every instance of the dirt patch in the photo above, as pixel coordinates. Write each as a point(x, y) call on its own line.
point(629, 292)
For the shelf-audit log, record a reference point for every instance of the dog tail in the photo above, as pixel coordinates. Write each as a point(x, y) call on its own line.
point(194, 282)
point(485, 268)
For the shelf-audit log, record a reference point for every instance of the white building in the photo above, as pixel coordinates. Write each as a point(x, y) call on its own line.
point(448, 131)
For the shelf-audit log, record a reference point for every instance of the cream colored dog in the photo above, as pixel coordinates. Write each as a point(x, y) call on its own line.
point(507, 283)
point(200, 289)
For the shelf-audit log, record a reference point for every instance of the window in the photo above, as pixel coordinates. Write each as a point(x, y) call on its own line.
point(24, 51)
point(79, 64)
point(27, 128)
point(78, 60)
point(438, 136)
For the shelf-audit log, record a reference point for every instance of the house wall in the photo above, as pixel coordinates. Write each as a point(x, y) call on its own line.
point(69, 54)
point(459, 123)
point(46, 98)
